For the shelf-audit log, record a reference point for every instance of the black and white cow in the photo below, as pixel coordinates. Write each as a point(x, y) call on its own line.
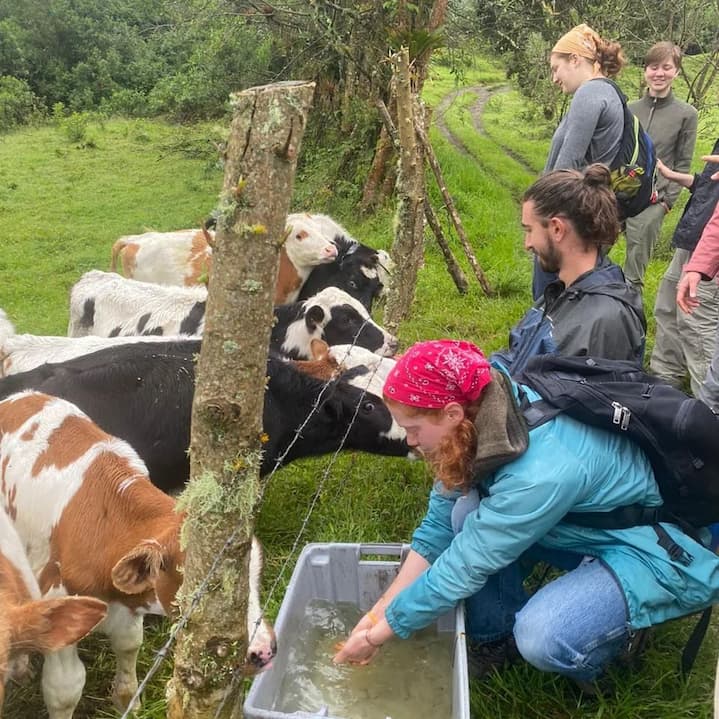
point(330, 315)
point(106, 304)
point(143, 394)
point(109, 305)
point(359, 270)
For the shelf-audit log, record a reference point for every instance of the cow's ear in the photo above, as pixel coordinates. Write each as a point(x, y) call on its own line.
point(314, 317)
point(138, 570)
point(47, 625)
point(319, 349)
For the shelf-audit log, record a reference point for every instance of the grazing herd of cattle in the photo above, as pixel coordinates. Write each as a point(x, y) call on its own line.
point(94, 431)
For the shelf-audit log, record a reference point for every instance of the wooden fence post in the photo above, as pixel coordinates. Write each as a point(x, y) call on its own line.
point(408, 245)
point(225, 454)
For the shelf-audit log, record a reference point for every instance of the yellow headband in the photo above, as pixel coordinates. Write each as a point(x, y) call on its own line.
point(580, 40)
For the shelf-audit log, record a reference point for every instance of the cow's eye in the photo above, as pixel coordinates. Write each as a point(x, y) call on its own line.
point(352, 284)
point(368, 407)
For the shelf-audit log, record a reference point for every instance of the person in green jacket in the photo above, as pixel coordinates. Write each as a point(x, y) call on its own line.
point(672, 125)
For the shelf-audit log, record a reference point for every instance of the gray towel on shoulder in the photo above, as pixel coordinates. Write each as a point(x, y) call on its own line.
point(502, 433)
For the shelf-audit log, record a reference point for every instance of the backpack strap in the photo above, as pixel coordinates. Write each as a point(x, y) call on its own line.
point(538, 412)
point(629, 515)
point(691, 648)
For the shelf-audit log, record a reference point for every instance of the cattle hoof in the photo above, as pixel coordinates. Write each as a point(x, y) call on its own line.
point(122, 695)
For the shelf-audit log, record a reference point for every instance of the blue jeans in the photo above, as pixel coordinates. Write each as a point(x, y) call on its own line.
point(575, 625)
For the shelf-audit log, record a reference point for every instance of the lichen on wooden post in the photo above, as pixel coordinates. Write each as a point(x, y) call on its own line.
point(408, 246)
point(225, 448)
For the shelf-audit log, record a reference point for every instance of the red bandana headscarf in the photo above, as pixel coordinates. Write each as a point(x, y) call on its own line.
point(433, 374)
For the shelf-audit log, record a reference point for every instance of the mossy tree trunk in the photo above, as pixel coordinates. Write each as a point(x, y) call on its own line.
point(419, 25)
point(226, 436)
point(408, 246)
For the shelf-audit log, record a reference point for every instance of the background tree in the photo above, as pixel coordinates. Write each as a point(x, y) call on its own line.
point(524, 31)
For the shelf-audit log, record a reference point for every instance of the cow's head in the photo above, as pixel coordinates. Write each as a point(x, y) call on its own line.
point(338, 318)
point(306, 245)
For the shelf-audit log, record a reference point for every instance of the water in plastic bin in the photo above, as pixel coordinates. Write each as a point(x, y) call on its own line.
point(409, 678)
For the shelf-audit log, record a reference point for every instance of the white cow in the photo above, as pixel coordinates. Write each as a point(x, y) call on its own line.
point(23, 352)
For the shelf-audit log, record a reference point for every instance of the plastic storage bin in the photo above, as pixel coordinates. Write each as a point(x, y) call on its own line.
point(346, 573)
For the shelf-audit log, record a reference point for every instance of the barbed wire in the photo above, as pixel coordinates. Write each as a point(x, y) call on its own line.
point(162, 653)
point(238, 675)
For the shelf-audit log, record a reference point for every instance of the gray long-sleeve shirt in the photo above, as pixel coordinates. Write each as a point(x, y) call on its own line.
point(672, 125)
point(591, 131)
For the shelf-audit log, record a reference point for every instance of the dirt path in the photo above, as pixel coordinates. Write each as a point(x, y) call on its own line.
point(476, 110)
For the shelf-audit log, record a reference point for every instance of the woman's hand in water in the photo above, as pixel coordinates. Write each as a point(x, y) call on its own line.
point(358, 649)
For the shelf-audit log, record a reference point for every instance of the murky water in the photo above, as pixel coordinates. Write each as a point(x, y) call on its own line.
point(408, 678)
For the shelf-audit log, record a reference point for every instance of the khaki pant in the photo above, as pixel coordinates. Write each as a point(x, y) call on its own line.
point(684, 343)
point(642, 233)
point(709, 391)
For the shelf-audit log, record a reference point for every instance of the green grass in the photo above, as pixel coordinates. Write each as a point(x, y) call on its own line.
point(64, 206)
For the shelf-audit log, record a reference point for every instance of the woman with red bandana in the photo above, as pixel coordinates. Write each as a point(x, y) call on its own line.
point(498, 505)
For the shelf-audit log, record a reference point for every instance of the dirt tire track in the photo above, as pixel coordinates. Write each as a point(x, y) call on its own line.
point(475, 112)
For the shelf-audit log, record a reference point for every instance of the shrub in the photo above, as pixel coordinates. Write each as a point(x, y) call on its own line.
point(126, 102)
point(75, 127)
point(18, 104)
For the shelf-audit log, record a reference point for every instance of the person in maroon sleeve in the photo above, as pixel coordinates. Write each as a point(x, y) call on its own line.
point(684, 343)
point(703, 265)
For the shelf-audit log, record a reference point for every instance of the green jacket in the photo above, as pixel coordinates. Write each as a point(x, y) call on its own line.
point(672, 125)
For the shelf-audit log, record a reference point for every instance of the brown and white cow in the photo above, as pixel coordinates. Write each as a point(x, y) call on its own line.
point(92, 523)
point(184, 257)
point(29, 623)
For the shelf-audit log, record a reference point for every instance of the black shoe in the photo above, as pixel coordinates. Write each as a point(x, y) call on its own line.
point(636, 646)
point(601, 687)
point(629, 659)
point(484, 659)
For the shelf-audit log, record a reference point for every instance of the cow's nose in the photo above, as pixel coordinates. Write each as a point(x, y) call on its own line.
point(260, 657)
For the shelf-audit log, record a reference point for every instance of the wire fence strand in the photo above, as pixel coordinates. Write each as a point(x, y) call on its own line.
point(162, 654)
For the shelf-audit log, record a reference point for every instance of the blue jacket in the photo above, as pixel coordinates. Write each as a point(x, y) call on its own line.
point(599, 315)
point(568, 466)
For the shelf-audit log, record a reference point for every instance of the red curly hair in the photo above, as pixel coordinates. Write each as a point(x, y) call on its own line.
point(452, 460)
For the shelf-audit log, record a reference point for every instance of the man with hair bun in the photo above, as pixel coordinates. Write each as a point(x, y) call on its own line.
point(672, 125)
point(570, 220)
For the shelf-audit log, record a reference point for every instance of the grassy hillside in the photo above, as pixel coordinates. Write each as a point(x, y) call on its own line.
point(65, 204)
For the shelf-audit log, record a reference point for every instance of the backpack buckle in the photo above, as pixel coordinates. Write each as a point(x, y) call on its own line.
point(675, 551)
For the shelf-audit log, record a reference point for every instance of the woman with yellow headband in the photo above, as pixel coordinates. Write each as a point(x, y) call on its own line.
point(591, 130)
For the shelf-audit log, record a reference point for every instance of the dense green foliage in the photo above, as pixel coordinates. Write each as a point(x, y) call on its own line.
point(131, 56)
